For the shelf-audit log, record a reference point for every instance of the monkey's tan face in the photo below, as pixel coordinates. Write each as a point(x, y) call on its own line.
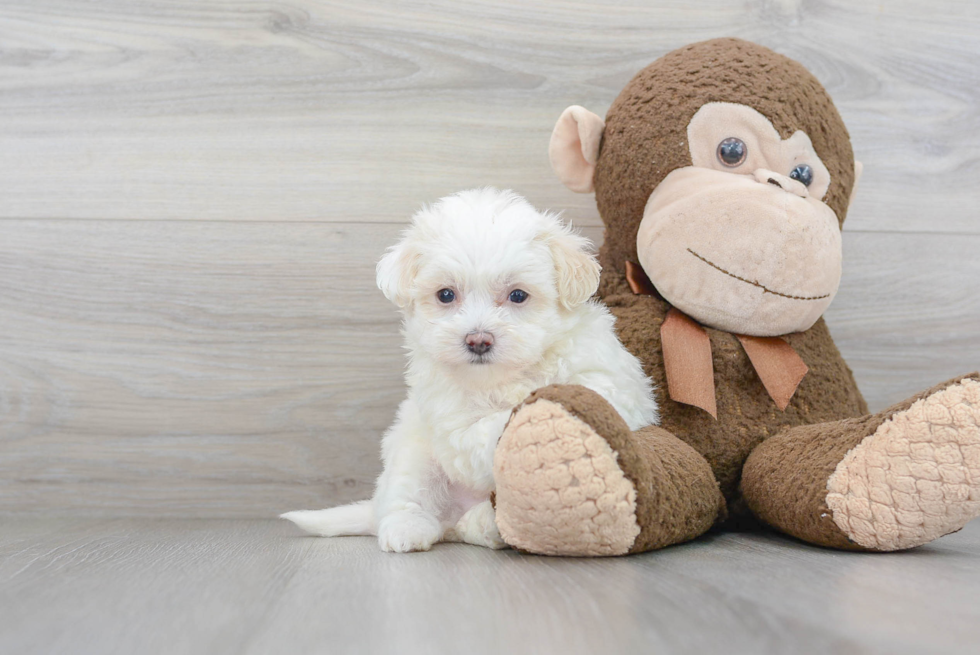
point(741, 240)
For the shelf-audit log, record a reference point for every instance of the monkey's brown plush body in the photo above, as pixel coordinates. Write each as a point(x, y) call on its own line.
point(740, 248)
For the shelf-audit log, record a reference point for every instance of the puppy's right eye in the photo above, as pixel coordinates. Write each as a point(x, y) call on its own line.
point(446, 296)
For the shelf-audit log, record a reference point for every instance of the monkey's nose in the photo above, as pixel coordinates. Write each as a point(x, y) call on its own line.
point(479, 343)
point(783, 182)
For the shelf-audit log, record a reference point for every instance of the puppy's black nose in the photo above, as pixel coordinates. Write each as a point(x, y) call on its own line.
point(479, 342)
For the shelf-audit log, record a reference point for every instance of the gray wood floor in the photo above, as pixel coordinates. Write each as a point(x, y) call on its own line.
point(173, 586)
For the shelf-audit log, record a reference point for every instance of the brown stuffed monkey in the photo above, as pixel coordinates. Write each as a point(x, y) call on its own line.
point(723, 174)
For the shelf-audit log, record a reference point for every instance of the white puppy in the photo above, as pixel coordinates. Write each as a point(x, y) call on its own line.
point(496, 303)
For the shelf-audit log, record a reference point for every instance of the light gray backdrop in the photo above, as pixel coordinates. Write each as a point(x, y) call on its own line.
point(193, 195)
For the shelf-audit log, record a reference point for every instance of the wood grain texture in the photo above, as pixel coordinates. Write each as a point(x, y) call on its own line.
point(341, 111)
point(116, 587)
point(243, 369)
point(198, 367)
point(252, 587)
point(194, 194)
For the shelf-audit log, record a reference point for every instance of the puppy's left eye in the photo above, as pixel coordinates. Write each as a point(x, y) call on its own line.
point(518, 296)
point(446, 296)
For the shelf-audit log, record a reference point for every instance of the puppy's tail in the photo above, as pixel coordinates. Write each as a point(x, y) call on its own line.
point(347, 520)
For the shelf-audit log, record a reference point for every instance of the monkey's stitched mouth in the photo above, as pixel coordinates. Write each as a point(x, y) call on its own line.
point(754, 283)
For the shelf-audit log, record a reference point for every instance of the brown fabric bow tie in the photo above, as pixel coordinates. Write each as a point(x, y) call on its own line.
point(687, 356)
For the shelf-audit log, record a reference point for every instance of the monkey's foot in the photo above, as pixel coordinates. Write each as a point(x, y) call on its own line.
point(917, 477)
point(560, 490)
point(572, 479)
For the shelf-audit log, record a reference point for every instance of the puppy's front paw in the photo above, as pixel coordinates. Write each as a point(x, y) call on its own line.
point(492, 538)
point(406, 531)
point(479, 528)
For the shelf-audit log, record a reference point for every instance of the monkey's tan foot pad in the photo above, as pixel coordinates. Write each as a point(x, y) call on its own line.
point(917, 477)
point(560, 489)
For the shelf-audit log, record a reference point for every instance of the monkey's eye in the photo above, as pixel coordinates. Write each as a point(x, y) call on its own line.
point(446, 296)
point(802, 173)
point(518, 296)
point(732, 151)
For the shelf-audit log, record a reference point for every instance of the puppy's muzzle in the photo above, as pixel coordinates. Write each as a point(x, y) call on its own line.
point(479, 343)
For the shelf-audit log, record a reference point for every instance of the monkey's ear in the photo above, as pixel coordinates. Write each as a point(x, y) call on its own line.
point(574, 147)
point(858, 170)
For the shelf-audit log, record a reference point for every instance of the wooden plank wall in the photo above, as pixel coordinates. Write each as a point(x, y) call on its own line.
point(193, 195)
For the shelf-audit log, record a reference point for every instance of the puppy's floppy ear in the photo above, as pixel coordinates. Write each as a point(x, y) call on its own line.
point(574, 147)
point(397, 269)
point(576, 268)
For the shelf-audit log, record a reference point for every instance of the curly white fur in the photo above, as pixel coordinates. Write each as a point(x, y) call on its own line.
point(482, 245)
